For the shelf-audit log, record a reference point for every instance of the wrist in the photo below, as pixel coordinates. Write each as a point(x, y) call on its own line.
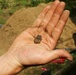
point(9, 65)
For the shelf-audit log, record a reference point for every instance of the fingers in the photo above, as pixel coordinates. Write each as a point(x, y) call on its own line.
point(61, 53)
point(59, 28)
point(55, 18)
point(51, 55)
point(49, 14)
point(41, 16)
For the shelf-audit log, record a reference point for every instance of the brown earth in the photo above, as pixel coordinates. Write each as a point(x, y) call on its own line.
point(23, 19)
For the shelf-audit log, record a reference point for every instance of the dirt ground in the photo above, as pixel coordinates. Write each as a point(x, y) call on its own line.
point(23, 19)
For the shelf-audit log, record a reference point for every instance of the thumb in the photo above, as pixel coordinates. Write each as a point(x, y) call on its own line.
point(51, 55)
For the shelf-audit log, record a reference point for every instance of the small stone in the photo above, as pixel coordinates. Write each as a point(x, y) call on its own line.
point(37, 39)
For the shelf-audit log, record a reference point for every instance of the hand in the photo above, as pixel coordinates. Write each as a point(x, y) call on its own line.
point(49, 25)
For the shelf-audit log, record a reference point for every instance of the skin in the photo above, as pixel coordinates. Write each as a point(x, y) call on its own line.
point(24, 51)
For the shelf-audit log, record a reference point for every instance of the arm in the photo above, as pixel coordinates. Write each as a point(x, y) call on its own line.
point(9, 65)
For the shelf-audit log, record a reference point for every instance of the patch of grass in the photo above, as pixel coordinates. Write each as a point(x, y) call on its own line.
point(1, 11)
point(11, 11)
point(2, 21)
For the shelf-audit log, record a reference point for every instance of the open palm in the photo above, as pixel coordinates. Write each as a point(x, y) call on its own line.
point(49, 26)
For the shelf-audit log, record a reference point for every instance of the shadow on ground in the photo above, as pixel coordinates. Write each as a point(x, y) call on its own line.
point(73, 16)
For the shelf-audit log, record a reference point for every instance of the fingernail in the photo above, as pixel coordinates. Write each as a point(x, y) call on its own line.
point(71, 59)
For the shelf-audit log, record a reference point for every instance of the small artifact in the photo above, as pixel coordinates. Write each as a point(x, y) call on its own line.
point(37, 39)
